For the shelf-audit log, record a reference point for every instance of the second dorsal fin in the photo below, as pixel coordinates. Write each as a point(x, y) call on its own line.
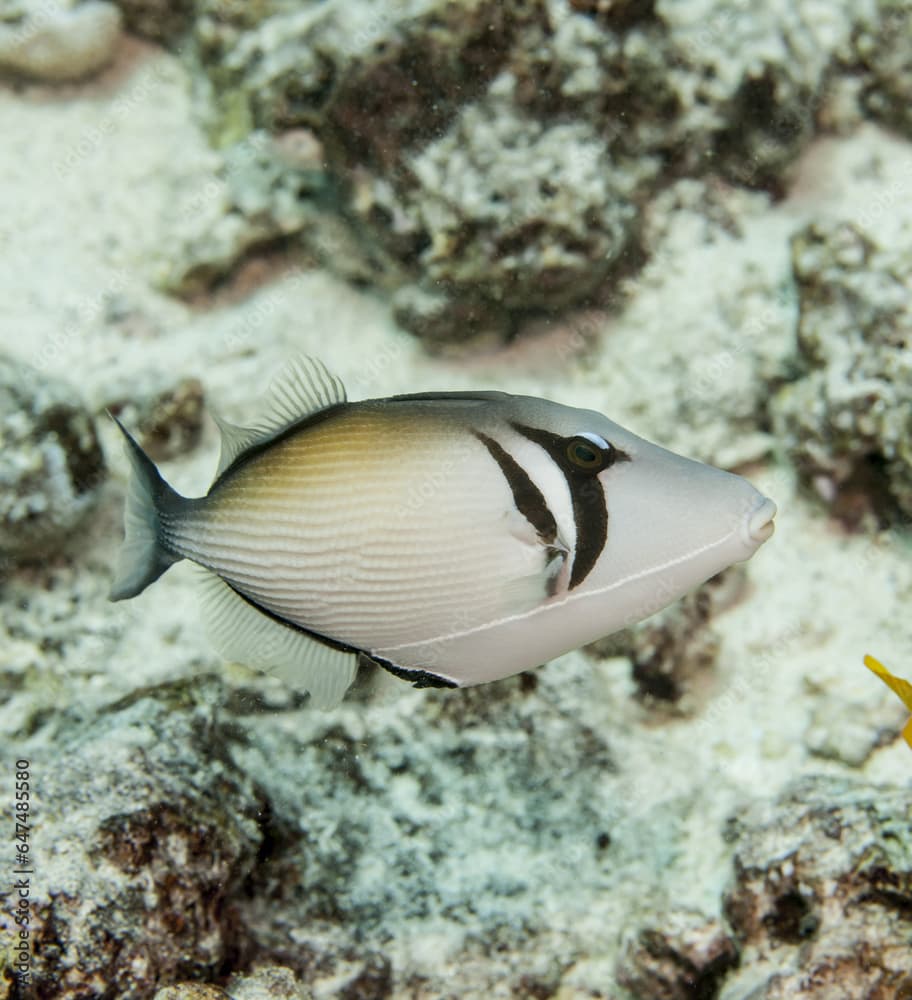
point(302, 388)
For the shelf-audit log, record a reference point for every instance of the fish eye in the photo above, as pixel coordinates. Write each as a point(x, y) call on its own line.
point(589, 452)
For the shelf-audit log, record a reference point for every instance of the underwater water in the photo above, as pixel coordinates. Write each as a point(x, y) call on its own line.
point(692, 217)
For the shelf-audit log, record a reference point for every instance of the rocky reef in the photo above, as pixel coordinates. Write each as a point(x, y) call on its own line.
point(488, 162)
point(688, 956)
point(817, 906)
point(484, 162)
point(147, 833)
point(192, 847)
point(673, 653)
point(51, 464)
point(848, 419)
point(821, 896)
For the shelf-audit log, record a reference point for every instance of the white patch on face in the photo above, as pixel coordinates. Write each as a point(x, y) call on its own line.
point(550, 479)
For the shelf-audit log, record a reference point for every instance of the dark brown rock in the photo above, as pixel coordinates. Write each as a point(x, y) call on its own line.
point(821, 901)
point(159, 20)
point(684, 959)
point(847, 420)
point(51, 463)
point(147, 832)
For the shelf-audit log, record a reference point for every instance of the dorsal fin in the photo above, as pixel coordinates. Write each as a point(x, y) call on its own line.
point(302, 388)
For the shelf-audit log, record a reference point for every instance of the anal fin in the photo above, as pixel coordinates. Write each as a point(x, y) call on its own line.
point(244, 633)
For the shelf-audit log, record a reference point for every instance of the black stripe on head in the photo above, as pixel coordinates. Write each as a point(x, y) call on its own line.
point(529, 499)
point(590, 512)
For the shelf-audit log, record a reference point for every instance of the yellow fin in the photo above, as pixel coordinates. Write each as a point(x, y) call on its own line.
point(902, 688)
point(897, 684)
point(907, 732)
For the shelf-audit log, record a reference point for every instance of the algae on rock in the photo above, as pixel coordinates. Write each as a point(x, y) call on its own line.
point(883, 48)
point(685, 955)
point(51, 464)
point(160, 20)
point(489, 161)
point(817, 905)
point(513, 215)
point(146, 832)
point(848, 420)
point(673, 653)
point(822, 892)
point(266, 983)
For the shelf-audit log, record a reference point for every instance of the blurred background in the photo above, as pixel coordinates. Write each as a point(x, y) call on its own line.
point(693, 216)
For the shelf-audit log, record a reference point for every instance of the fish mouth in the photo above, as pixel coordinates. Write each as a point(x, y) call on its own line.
point(759, 524)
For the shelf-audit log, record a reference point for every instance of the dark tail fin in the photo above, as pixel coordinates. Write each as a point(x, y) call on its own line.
point(143, 557)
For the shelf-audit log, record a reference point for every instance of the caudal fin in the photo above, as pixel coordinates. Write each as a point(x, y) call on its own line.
point(143, 556)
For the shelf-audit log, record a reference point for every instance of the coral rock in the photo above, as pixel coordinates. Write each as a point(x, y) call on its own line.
point(160, 20)
point(146, 831)
point(848, 420)
point(494, 159)
point(56, 44)
point(51, 464)
point(883, 46)
point(822, 893)
point(168, 423)
point(684, 959)
point(269, 983)
point(673, 652)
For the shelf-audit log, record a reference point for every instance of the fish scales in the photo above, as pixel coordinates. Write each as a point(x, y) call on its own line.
point(361, 522)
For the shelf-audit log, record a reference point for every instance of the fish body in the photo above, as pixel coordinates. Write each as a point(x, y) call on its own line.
point(453, 538)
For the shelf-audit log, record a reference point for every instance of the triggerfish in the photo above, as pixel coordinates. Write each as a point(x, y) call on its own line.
point(903, 689)
point(452, 538)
